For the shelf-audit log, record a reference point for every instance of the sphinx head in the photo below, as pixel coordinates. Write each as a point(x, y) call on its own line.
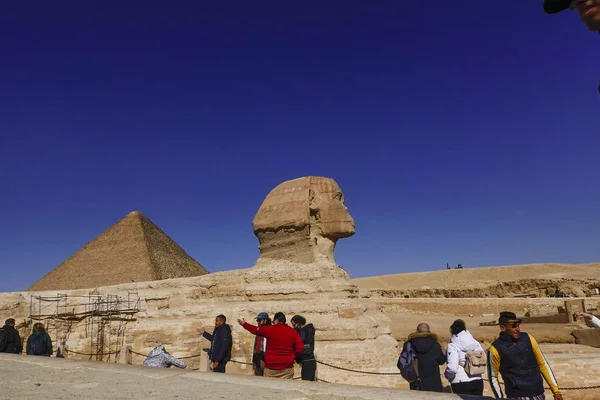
point(301, 220)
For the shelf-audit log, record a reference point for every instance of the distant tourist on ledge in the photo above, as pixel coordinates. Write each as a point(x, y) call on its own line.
point(518, 358)
point(39, 342)
point(160, 358)
point(588, 318)
point(10, 340)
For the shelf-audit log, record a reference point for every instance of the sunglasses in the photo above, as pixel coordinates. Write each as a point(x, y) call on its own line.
point(513, 324)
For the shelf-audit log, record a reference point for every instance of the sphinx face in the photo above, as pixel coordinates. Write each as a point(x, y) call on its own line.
point(328, 211)
point(301, 220)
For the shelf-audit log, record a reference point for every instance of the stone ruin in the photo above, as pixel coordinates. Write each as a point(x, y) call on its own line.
point(297, 226)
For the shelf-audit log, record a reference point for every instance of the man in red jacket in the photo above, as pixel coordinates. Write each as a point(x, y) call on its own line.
point(283, 345)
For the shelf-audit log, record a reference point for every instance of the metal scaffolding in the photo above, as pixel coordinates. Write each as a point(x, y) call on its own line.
point(104, 316)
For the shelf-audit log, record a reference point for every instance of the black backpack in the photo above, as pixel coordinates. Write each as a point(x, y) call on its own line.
point(38, 345)
point(3, 340)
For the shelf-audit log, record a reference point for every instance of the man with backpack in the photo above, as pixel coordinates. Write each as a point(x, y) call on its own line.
point(10, 340)
point(39, 342)
point(465, 361)
point(420, 360)
point(518, 358)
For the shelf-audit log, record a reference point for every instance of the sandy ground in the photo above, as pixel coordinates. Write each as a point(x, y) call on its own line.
point(479, 277)
point(30, 377)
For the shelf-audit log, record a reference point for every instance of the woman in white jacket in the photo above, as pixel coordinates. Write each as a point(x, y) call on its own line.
point(460, 343)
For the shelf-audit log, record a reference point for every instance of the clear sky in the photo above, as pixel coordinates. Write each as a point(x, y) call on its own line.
point(460, 132)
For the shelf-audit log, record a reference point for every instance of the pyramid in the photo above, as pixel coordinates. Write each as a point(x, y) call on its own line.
point(132, 250)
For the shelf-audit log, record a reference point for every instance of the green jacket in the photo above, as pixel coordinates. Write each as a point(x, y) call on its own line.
point(42, 339)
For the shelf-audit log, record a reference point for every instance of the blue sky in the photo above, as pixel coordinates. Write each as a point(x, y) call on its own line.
point(460, 132)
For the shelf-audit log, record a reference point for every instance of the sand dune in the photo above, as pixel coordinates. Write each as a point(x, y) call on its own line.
point(580, 279)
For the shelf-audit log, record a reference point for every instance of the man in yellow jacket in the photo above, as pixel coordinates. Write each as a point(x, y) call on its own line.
point(517, 357)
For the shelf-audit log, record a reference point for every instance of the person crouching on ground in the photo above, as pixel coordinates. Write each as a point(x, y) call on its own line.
point(160, 358)
point(462, 342)
point(39, 342)
point(220, 343)
point(307, 357)
point(283, 346)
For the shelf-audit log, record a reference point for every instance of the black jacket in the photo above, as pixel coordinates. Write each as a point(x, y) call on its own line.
point(307, 334)
point(13, 340)
point(518, 366)
point(43, 339)
point(221, 342)
point(429, 358)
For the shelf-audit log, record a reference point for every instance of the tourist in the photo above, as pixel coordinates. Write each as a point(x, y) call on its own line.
point(284, 344)
point(589, 10)
point(160, 358)
point(429, 357)
point(462, 342)
point(307, 357)
point(39, 342)
point(220, 343)
point(588, 318)
point(518, 358)
point(10, 340)
point(260, 345)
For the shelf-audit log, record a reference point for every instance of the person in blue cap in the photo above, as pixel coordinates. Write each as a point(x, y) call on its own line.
point(260, 345)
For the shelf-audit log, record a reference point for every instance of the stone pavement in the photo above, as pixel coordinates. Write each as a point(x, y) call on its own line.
point(30, 377)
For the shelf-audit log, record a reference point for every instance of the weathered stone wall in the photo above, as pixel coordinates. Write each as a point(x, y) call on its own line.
point(350, 332)
point(529, 307)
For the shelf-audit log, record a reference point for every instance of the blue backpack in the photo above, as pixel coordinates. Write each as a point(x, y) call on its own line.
point(406, 363)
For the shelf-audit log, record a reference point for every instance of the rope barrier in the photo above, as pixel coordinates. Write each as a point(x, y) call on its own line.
point(360, 372)
point(136, 353)
point(192, 356)
point(92, 354)
point(561, 388)
point(357, 371)
point(240, 362)
point(185, 358)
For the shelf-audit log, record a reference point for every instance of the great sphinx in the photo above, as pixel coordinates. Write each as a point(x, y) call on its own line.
point(301, 221)
point(297, 226)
